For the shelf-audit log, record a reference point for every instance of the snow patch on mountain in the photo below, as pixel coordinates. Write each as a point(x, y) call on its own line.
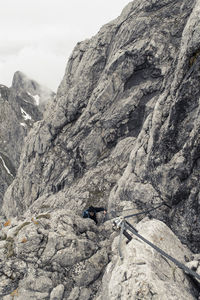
point(35, 97)
point(5, 167)
point(25, 115)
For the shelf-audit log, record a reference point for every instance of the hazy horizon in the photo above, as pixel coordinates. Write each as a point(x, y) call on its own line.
point(39, 36)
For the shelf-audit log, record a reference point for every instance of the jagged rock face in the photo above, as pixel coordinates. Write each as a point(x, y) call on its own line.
point(133, 89)
point(28, 90)
point(18, 111)
point(137, 80)
point(145, 274)
point(122, 132)
point(11, 136)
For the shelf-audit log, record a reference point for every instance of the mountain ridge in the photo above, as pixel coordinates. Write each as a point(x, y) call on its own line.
point(125, 82)
point(19, 110)
point(123, 133)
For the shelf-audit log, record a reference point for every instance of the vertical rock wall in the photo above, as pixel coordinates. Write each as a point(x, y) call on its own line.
point(129, 93)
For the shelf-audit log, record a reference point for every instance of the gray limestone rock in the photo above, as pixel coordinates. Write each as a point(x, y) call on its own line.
point(131, 89)
point(11, 140)
point(57, 292)
point(20, 106)
point(144, 273)
point(45, 256)
point(58, 255)
point(122, 132)
point(80, 294)
point(165, 155)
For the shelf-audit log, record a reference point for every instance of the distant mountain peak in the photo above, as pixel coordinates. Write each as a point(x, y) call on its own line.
point(22, 81)
point(19, 74)
point(21, 106)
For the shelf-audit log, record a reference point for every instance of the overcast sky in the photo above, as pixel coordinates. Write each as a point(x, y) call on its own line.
point(37, 36)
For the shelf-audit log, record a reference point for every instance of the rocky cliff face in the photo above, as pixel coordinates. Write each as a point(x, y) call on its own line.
point(122, 132)
point(21, 106)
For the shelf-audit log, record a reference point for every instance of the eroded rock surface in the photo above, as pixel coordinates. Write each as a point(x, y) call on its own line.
point(122, 132)
point(49, 255)
point(59, 255)
point(144, 273)
point(21, 106)
point(133, 86)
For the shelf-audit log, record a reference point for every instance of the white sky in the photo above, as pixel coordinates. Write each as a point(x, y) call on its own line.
point(37, 36)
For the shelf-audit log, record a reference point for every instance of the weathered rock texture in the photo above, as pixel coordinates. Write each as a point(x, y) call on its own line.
point(133, 87)
point(123, 131)
point(20, 106)
point(47, 256)
point(144, 273)
point(58, 255)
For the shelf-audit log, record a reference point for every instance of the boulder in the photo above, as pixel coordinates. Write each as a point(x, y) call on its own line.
point(144, 273)
point(50, 254)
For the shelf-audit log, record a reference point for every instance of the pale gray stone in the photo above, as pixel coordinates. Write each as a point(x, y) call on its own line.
point(20, 106)
point(196, 256)
point(198, 270)
point(80, 294)
point(57, 292)
point(144, 273)
point(193, 265)
point(49, 252)
point(122, 93)
point(123, 133)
